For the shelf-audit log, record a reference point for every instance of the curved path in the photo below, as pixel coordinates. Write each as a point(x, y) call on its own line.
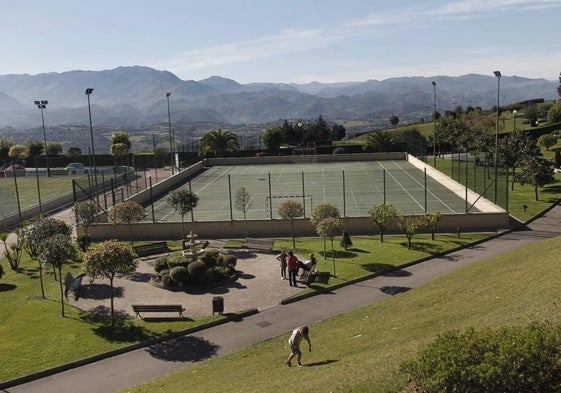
point(143, 364)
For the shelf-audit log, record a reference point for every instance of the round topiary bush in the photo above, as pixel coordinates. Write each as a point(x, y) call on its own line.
point(210, 258)
point(167, 281)
point(176, 258)
point(229, 260)
point(180, 275)
point(217, 274)
point(197, 271)
point(161, 264)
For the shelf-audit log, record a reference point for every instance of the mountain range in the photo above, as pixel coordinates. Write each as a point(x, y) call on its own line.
point(136, 96)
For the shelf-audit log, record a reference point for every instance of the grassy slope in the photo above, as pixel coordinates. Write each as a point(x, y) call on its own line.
point(361, 351)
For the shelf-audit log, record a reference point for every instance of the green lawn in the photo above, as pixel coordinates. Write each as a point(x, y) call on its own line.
point(34, 336)
point(361, 351)
point(521, 195)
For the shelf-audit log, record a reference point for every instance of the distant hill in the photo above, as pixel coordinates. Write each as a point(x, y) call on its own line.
point(135, 96)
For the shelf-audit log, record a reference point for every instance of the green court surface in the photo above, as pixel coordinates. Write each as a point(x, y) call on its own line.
point(354, 187)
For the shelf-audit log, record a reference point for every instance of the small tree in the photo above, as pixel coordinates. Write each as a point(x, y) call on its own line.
point(35, 232)
point(85, 213)
point(346, 241)
point(127, 212)
point(383, 215)
point(55, 251)
point(13, 252)
point(108, 260)
point(53, 149)
point(431, 222)
point(394, 121)
point(289, 210)
point(538, 173)
point(183, 201)
point(408, 225)
point(329, 228)
point(547, 140)
point(321, 212)
point(73, 152)
point(243, 203)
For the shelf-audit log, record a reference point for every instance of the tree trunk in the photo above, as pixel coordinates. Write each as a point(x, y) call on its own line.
point(41, 279)
point(536, 192)
point(381, 235)
point(61, 292)
point(293, 240)
point(333, 258)
point(112, 306)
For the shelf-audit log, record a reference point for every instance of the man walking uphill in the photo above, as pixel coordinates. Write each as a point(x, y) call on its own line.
point(294, 343)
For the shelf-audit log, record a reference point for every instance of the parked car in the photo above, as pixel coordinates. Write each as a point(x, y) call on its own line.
point(7, 170)
point(76, 168)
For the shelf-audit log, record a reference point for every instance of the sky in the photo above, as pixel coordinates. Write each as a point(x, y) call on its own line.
point(290, 41)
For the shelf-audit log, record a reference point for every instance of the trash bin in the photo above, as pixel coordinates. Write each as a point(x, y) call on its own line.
point(217, 305)
point(322, 277)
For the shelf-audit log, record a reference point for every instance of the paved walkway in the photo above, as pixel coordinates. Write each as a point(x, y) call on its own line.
point(143, 364)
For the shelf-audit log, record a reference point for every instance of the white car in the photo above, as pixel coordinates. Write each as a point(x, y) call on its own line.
point(76, 168)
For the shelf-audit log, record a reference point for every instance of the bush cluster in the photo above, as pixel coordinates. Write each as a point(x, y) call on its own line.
point(175, 270)
point(509, 359)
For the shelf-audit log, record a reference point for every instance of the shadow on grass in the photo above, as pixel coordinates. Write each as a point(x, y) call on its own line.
point(377, 267)
point(99, 291)
point(183, 349)
point(339, 254)
point(425, 247)
point(123, 330)
point(7, 287)
point(322, 363)
point(394, 290)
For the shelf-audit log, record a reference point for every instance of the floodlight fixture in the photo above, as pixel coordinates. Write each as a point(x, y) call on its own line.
point(42, 104)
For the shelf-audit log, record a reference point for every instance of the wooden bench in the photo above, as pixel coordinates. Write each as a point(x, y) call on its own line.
point(144, 308)
point(151, 249)
point(263, 245)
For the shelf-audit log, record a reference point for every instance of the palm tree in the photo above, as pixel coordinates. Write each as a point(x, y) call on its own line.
point(219, 142)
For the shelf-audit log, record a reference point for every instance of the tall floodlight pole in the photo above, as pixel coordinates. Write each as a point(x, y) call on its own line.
point(170, 135)
point(434, 122)
point(42, 105)
point(89, 91)
point(514, 113)
point(498, 76)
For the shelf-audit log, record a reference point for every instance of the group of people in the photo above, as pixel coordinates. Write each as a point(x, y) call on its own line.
point(291, 264)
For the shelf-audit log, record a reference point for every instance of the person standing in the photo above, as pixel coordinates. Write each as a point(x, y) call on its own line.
point(282, 258)
point(292, 264)
point(294, 343)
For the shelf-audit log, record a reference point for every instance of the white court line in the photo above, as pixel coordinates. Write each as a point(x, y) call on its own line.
point(401, 185)
point(430, 192)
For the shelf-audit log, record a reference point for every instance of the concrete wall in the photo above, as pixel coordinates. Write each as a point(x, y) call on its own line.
point(304, 159)
point(476, 222)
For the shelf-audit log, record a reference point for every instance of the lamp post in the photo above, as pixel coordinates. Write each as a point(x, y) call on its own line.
point(434, 123)
point(89, 91)
point(42, 105)
point(170, 135)
point(514, 113)
point(498, 76)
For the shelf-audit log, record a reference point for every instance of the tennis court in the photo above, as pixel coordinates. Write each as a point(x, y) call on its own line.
point(354, 187)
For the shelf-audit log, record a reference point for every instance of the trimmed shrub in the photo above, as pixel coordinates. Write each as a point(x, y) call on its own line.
point(228, 260)
point(217, 274)
point(210, 258)
point(161, 264)
point(180, 275)
point(509, 359)
point(167, 281)
point(84, 242)
point(176, 259)
point(197, 271)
